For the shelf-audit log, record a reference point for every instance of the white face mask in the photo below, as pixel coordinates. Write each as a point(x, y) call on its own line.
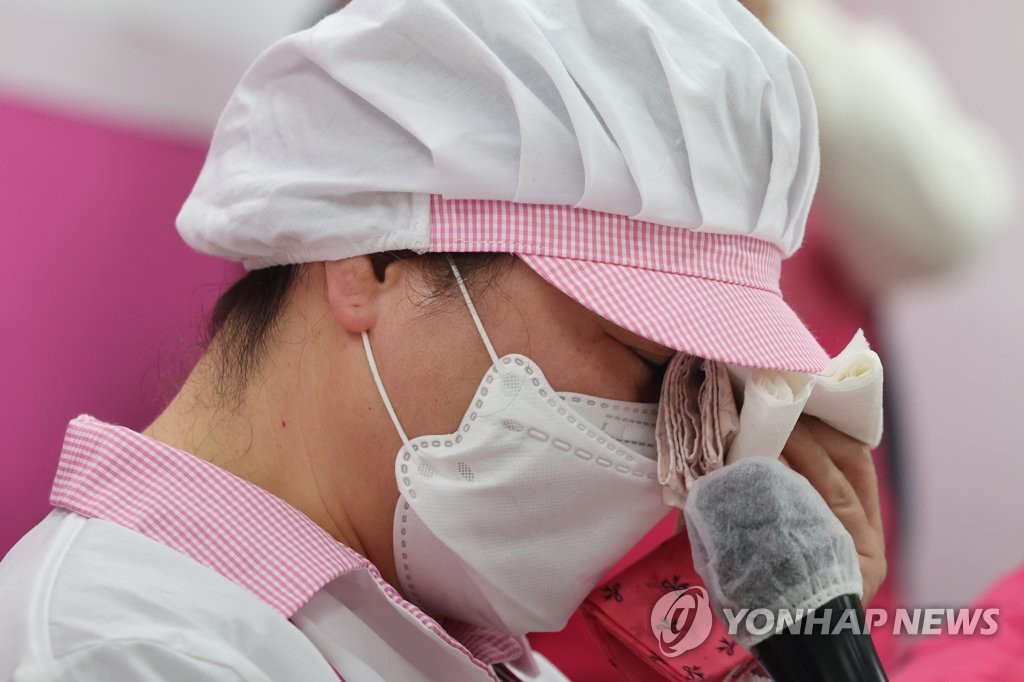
point(513, 519)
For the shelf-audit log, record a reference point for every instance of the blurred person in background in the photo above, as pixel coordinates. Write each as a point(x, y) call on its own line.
point(106, 109)
point(911, 187)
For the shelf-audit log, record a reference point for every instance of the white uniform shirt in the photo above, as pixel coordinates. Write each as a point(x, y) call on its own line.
point(156, 565)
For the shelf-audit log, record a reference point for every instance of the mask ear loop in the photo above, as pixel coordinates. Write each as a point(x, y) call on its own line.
point(384, 394)
point(376, 373)
point(472, 311)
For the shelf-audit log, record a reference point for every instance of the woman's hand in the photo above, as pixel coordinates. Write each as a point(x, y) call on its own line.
point(841, 469)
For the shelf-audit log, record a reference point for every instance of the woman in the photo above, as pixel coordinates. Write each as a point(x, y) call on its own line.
point(424, 426)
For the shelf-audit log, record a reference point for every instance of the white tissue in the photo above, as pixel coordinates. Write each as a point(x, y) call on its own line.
point(772, 403)
point(847, 395)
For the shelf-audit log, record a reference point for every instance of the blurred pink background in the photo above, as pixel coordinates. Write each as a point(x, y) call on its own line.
point(106, 109)
point(958, 341)
point(102, 301)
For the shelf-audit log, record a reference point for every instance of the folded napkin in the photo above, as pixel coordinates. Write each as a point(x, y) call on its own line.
point(699, 428)
point(618, 614)
point(697, 420)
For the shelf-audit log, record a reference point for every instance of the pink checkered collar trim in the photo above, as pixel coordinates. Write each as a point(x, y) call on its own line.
point(586, 235)
point(224, 522)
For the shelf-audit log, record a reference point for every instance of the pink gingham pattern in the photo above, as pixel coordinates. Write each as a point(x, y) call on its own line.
point(707, 294)
point(239, 530)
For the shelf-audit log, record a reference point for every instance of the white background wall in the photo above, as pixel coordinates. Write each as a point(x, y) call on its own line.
point(957, 344)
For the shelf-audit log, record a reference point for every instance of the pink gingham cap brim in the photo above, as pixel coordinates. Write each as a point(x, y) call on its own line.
point(707, 294)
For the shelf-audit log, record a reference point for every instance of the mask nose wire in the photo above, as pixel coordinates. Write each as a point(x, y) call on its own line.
point(472, 311)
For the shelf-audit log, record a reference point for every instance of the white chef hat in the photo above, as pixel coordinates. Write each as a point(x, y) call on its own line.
point(654, 160)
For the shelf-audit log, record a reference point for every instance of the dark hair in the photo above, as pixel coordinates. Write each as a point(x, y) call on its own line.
point(244, 319)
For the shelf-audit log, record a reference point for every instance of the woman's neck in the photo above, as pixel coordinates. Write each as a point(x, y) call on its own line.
point(264, 439)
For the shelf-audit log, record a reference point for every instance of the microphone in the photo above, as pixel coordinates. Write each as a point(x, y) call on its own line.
point(780, 568)
point(846, 655)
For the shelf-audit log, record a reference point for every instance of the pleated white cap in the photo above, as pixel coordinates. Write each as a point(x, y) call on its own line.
point(686, 115)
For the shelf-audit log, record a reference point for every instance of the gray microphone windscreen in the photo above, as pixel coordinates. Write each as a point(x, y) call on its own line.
point(763, 538)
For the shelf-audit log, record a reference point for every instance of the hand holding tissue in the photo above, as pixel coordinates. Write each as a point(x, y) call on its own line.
point(713, 416)
point(714, 413)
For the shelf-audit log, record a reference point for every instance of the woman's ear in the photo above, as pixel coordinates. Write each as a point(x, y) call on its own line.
point(353, 292)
